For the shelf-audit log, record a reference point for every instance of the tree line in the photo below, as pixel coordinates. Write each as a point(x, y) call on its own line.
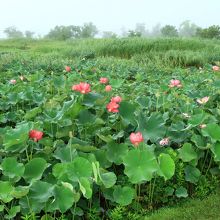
point(89, 30)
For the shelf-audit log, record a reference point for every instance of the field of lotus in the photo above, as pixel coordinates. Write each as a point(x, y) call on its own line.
point(86, 139)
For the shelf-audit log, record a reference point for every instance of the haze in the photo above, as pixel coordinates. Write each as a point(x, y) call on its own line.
point(108, 15)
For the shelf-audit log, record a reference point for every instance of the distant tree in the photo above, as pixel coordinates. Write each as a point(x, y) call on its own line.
point(169, 31)
point(88, 30)
point(64, 32)
point(109, 34)
point(13, 32)
point(187, 29)
point(132, 33)
point(210, 32)
point(29, 34)
point(156, 30)
point(140, 28)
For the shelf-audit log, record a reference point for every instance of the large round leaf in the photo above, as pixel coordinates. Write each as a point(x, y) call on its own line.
point(6, 190)
point(126, 110)
point(116, 152)
point(216, 151)
point(34, 169)
point(153, 127)
point(11, 168)
point(123, 195)
point(167, 166)
point(212, 131)
point(108, 179)
point(192, 174)
point(85, 187)
point(78, 168)
point(140, 165)
point(187, 152)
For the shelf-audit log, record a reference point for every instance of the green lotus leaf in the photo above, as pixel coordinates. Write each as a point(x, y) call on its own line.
point(123, 195)
point(167, 166)
point(12, 212)
point(153, 127)
point(65, 154)
point(78, 168)
point(108, 179)
point(192, 174)
point(216, 151)
point(11, 168)
point(181, 192)
point(212, 131)
point(197, 119)
point(126, 110)
point(34, 169)
point(116, 152)
point(140, 165)
point(187, 152)
point(85, 187)
point(6, 190)
point(63, 199)
point(32, 113)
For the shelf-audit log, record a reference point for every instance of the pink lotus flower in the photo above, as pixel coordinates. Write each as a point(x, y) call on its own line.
point(82, 87)
point(108, 88)
point(112, 107)
point(203, 100)
point(136, 138)
point(215, 68)
point(103, 80)
point(13, 81)
point(164, 142)
point(67, 68)
point(36, 135)
point(202, 126)
point(116, 99)
point(175, 83)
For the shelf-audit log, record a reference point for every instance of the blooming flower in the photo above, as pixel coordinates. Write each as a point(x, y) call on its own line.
point(36, 135)
point(164, 142)
point(13, 81)
point(112, 107)
point(203, 100)
point(67, 68)
point(21, 78)
point(82, 87)
point(202, 126)
point(116, 99)
point(103, 80)
point(108, 88)
point(175, 83)
point(215, 68)
point(136, 138)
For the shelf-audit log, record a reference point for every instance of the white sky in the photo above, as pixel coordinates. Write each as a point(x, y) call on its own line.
point(42, 15)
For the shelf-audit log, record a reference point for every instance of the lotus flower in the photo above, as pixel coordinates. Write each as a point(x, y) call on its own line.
point(108, 88)
point(203, 100)
point(215, 68)
point(112, 107)
point(82, 87)
point(116, 99)
point(13, 81)
point(103, 80)
point(164, 142)
point(175, 83)
point(136, 138)
point(202, 126)
point(36, 135)
point(67, 68)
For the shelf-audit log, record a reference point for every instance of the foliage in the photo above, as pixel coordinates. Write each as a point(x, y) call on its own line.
point(169, 31)
point(210, 32)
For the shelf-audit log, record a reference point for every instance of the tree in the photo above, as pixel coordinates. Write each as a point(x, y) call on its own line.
point(140, 28)
point(210, 32)
point(13, 32)
point(187, 29)
point(88, 30)
point(109, 34)
point(169, 31)
point(64, 32)
point(132, 33)
point(156, 30)
point(29, 34)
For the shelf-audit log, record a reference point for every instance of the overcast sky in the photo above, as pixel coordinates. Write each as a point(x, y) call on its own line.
point(42, 15)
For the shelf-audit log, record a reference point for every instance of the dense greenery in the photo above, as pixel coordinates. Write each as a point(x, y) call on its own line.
point(86, 165)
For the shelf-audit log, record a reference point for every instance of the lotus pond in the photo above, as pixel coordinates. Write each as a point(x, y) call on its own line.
point(88, 138)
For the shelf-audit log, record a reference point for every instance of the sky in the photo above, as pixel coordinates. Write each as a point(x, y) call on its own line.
point(108, 15)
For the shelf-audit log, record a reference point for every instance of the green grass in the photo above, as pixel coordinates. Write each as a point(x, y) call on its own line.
point(160, 52)
point(195, 209)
